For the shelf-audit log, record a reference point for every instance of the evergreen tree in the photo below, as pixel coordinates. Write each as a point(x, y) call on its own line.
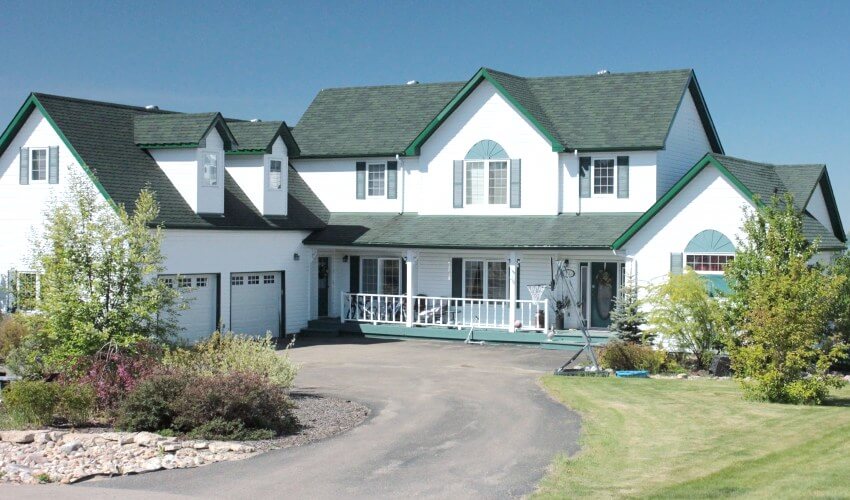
point(627, 318)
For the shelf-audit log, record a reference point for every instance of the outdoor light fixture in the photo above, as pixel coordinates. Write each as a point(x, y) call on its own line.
point(345, 258)
point(295, 256)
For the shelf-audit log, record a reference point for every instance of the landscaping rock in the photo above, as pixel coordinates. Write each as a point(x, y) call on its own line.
point(17, 436)
point(147, 439)
point(70, 446)
point(152, 464)
point(682, 375)
point(721, 366)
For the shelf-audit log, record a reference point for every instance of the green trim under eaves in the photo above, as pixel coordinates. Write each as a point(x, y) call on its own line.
point(177, 145)
point(23, 113)
point(248, 152)
point(463, 93)
point(675, 190)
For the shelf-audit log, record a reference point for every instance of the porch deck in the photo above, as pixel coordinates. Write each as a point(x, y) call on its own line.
point(563, 339)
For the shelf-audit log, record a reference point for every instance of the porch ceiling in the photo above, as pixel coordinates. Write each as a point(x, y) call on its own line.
point(592, 230)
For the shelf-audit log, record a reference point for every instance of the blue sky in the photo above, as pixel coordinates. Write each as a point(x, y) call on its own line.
point(775, 75)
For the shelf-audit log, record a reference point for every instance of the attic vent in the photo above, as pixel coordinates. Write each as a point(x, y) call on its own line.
point(412, 82)
point(603, 72)
point(152, 107)
point(255, 120)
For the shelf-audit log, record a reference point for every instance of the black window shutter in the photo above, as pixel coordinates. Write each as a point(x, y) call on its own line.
point(361, 180)
point(584, 176)
point(392, 179)
point(354, 274)
point(53, 165)
point(516, 183)
point(622, 177)
point(457, 278)
point(676, 264)
point(403, 276)
point(25, 166)
point(457, 184)
point(517, 286)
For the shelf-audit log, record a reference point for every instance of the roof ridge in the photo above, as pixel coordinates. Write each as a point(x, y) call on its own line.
point(393, 85)
point(764, 164)
point(105, 103)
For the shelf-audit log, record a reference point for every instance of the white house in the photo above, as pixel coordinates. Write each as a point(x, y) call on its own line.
point(415, 210)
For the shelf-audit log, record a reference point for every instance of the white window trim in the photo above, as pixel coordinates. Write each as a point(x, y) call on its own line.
point(383, 166)
point(46, 165)
point(269, 174)
point(593, 161)
point(381, 261)
point(484, 281)
point(487, 162)
point(219, 167)
point(685, 260)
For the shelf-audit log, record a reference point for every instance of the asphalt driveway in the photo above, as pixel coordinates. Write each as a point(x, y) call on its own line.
point(448, 420)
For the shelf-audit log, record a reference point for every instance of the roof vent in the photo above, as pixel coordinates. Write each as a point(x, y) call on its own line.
point(152, 107)
point(412, 82)
point(255, 120)
point(603, 72)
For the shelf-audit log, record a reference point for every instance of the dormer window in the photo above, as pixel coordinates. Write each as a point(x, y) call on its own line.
point(210, 169)
point(275, 174)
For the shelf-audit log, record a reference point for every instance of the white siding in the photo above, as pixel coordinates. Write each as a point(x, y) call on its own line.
point(22, 207)
point(485, 114)
point(642, 180)
point(251, 173)
point(207, 251)
point(184, 169)
point(687, 142)
point(709, 201)
point(335, 183)
point(817, 207)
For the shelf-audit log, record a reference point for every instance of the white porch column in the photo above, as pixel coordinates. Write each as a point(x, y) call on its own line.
point(512, 265)
point(409, 259)
point(312, 255)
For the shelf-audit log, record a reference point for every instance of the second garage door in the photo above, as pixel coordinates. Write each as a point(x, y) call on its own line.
point(255, 303)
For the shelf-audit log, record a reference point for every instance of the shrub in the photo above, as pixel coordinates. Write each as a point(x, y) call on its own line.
point(150, 405)
point(247, 398)
point(229, 430)
point(13, 329)
point(27, 359)
point(76, 403)
point(682, 311)
point(627, 318)
point(31, 402)
point(619, 355)
point(113, 372)
point(226, 353)
point(786, 310)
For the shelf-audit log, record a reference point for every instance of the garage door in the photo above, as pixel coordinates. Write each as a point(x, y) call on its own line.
point(198, 320)
point(255, 303)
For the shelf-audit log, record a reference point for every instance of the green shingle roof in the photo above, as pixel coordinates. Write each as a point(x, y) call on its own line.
point(260, 136)
point(102, 136)
point(761, 181)
point(590, 230)
point(177, 129)
point(597, 112)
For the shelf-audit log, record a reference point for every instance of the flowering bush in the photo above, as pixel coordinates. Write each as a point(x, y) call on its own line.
point(114, 372)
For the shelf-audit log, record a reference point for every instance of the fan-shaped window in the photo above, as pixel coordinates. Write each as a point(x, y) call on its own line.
point(487, 150)
point(710, 241)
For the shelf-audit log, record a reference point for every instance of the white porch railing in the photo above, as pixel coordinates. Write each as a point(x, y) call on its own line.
point(444, 311)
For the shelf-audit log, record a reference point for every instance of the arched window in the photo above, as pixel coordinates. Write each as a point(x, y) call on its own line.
point(707, 254)
point(486, 174)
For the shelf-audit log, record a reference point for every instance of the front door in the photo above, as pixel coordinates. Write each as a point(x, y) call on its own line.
point(603, 291)
point(324, 287)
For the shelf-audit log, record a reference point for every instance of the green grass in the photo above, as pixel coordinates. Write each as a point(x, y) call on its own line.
point(668, 438)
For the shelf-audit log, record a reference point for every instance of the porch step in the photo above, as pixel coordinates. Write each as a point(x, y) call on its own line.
point(323, 327)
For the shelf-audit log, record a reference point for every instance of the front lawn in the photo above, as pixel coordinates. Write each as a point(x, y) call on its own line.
point(697, 438)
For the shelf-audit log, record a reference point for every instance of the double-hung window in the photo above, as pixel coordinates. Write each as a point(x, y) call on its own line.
point(376, 179)
point(210, 168)
point(38, 164)
point(485, 279)
point(275, 174)
point(486, 182)
point(604, 176)
point(380, 275)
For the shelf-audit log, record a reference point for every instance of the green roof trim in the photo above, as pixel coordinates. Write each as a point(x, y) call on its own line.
point(17, 122)
point(481, 75)
point(179, 130)
point(757, 182)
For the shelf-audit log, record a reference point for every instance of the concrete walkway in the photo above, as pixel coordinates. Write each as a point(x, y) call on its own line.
point(448, 421)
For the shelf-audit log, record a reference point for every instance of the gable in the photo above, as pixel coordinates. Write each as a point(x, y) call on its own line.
point(817, 207)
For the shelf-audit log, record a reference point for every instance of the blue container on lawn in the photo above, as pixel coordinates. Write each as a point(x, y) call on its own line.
point(632, 373)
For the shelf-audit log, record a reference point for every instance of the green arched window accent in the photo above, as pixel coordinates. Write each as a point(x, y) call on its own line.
point(710, 241)
point(487, 150)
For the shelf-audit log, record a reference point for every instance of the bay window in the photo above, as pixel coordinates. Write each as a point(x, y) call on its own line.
point(483, 279)
point(380, 275)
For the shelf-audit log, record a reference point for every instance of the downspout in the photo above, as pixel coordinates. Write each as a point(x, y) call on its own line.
point(575, 153)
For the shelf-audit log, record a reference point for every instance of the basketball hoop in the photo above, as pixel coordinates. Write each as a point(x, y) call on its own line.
point(537, 291)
